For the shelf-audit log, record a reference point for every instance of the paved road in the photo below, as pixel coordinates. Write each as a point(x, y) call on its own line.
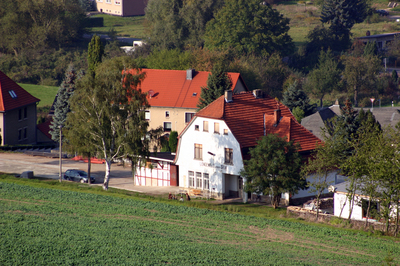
point(121, 177)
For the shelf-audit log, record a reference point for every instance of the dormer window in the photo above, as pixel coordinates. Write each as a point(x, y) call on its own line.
point(12, 94)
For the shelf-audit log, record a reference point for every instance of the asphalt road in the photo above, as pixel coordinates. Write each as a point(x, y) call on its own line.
point(120, 177)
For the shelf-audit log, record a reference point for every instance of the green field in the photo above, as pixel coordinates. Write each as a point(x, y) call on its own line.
point(124, 26)
point(50, 226)
point(46, 94)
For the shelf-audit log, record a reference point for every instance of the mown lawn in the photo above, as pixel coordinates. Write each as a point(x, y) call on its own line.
point(44, 225)
point(46, 94)
point(124, 26)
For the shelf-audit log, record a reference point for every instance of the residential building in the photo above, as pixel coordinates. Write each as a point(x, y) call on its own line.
point(213, 145)
point(17, 113)
point(174, 95)
point(382, 40)
point(123, 8)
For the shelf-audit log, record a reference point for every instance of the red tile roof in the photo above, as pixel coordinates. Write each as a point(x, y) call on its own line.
point(12, 95)
point(45, 128)
point(247, 115)
point(170, 88)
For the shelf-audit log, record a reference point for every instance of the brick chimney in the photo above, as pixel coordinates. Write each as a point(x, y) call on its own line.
point(228, 96)
point(277, 116)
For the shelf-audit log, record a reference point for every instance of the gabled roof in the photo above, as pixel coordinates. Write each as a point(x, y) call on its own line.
point(170, 88)
point(45, 128)
point(12, 95)
point(316, 121)
point(247, 115)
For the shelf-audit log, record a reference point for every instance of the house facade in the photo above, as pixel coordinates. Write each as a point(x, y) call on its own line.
point(17, 113)
point(212, 147)
point(174, 94)
point(123, 8)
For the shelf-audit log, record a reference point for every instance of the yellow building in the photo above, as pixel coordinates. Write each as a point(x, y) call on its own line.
point(123, 8)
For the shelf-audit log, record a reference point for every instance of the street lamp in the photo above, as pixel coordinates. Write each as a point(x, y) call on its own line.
point(60, 155)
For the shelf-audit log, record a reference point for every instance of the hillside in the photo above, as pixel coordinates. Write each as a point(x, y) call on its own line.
point(53, 226)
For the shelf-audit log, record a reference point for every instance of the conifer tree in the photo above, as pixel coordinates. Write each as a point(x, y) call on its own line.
point(217, 83)
point(95, 53)
point(61, 106)
point(294, 97)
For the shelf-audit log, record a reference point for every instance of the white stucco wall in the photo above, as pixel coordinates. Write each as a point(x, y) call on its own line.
point(213, 153)
point(340, 200)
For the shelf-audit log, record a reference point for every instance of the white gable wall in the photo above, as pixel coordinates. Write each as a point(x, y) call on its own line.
point(223, 177)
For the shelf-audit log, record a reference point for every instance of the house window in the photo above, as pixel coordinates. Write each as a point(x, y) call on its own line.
point(108, 1)
point(117, 2)
point(228, 156)
point(198, 151)
point(206, 181)
point(25, 133)
point(20, 114)
point(166, 114)
point(147, 115)
point(19, 134)
point(225, 131)
point(25, 112)
point(216, 128)
point(196, 127)
point(167, 126)
point(191, 178)
point(198, 180)
point(205, 126)
point(188, 117)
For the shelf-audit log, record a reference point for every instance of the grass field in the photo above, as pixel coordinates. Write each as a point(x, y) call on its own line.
point(124, 26)
point(59, 226)
point(46, 94)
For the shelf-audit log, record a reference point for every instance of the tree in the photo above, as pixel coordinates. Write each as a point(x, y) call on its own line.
point(95, 54)
point(62, 105)
point(249, 27)
point(217, 83)
point(274, 168)
point(39, 24)
point(112, 108)
point(173, 141)
point(341, 15)
point(178, 24)
point(360, 73)
point(294, 97)
point(325, 78)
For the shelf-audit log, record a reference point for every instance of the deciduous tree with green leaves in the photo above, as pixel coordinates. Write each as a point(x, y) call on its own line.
point(274, 168)
point(249, 27)
point(111, 107)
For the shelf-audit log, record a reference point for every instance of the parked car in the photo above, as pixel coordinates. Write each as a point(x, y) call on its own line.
point(78, 175)
point(382, 12)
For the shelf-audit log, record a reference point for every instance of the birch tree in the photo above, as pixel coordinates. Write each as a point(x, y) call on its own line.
point(108, 111)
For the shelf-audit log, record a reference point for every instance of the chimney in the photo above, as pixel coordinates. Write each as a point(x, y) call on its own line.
point(190, 73)
point(277, 116)
point(258, 93)
point(228, 96)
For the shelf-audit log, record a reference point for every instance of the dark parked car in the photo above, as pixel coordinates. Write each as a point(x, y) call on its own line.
point(382, 12)
point(78, 175)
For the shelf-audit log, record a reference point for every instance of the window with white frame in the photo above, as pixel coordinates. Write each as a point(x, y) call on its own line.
point(225, 131)
point(198, 151)
point(205, 126)
point(206, 181)
point(191, 178)
point(199, 180)
point(147, 115)
point(167, 126)
point(108, 1)
point(117, 2)
point(188, 117)
point(228, 156)
point(216, 128)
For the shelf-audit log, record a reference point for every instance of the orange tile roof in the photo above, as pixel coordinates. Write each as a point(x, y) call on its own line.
point(170, 88)
point(12, 95)
point(247, 115)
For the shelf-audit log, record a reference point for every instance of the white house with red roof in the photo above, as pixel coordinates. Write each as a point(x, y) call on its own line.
point(213, 145)
point(174, 94)
point(17, 113)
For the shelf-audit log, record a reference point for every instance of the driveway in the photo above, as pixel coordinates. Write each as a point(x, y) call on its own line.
point(120, 177)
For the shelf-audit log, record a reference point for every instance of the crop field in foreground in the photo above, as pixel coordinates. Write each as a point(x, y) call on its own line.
point(50, 227)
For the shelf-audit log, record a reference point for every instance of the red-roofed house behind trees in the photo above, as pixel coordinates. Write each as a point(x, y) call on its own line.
point(174, 94)
point(17, 113)
point(214, 144)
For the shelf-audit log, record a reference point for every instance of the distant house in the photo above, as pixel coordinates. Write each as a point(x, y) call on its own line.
point(123, 8)
point(17, 113)
point(174, 95)
point(315, 122)
point(381, 40)
point(213, 145)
